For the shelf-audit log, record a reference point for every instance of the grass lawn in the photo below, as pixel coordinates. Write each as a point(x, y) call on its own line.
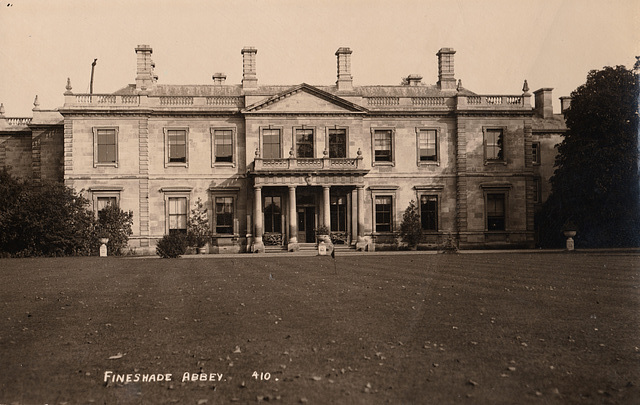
point(467, 328)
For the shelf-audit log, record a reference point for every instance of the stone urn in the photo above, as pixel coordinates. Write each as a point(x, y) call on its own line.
point(569, 234)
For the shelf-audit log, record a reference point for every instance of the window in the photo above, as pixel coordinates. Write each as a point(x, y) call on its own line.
point(495, 211)
point(176, 146)
point(382, 145)
point(223, 146)
point(103, 202)
point(271, 143)
point(105, 146)
point(272, 214)
point(427, 145)
point(535, 153)
point(177, 214)
point(224, 215)
point(304, 143)
point(493, 145)
point(338, 213)
point(429, 212)
point(383, 213)
point(337, 143)
point(537, 190)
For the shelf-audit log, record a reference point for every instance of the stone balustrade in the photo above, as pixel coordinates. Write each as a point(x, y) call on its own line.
point(135, 100)
point(308, 164)
point(18, 121)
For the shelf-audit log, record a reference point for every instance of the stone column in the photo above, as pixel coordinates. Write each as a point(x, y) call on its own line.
point(361, 243)
point(258, 245)
point(354, 217)
point(327, 207)
point(293, 221)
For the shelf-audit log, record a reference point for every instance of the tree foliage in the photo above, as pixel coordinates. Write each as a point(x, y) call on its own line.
point(198, 230)
point(115, 224)
point(595, 184)
point(43, 219)
point(411, 227)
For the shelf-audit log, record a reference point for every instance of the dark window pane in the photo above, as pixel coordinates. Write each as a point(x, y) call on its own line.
point(427, 145)
point(337, 143)
point(223, 145)
point(429, 212)
point(382, 146)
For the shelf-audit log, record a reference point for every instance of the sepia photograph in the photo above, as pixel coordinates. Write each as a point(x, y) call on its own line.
point(319, 202)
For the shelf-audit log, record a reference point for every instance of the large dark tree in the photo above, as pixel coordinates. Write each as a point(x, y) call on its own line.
point(595, 185)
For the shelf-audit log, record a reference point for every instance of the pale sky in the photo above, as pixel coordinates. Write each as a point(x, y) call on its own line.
point(498, 43)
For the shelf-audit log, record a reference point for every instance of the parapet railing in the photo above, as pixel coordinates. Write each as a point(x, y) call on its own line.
point(18, 121)
point(136, 100)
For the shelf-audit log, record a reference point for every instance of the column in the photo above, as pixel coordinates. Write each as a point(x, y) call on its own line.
point(327, 207)
point(361, 243)
point(354, 216)
point(258, 245)
point(293, 221)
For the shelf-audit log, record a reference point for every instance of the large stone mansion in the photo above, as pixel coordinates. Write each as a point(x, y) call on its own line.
point(273, 162)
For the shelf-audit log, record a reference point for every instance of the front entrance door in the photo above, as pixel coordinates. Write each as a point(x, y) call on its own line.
point(306, 224)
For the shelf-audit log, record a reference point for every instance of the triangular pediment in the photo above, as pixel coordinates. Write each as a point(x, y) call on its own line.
point(305, 99)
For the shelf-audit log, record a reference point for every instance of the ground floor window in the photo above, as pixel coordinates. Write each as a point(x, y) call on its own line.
point(429, 212)
point(338, 214)
point(177, 214)
point(383, 205)
point(224, 215)
point(496, 212)
point(273, 214)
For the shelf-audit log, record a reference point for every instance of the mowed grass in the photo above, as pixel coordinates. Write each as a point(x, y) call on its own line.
point(467, 328)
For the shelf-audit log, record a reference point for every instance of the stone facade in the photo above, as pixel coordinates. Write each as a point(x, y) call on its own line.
point(273, 163)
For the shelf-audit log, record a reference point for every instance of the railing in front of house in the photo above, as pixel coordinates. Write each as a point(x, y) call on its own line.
point(308, 164)
point(18, 121)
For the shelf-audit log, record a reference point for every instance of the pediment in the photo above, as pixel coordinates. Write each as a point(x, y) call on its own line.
point(305, 99)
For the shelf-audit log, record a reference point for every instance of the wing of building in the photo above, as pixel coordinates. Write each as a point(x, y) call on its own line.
point(274, 162)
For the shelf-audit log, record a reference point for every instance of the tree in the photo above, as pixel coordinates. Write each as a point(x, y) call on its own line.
point(115, 224)
point(596, 182)
point(411, 227)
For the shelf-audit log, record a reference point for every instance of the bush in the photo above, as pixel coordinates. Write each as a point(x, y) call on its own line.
point(43, 219)
point(198, 230)
point(172, 246)
point(115, 224)
point(411, 228)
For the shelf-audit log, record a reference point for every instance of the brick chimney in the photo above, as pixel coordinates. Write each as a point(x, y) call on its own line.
point(144, 77)
point(219, 78)
point(345, 80)
point(249, 78)
point(544, 102)
point(414, 80)
point(446, 76)
point(565, 102)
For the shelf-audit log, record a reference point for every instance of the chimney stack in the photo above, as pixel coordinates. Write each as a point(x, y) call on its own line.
point(565, 102)
point(345, 80)
point(144, 77)
point(446, 76)
point(219, 78)
point(414, 80)
point(249, 78)
point(544, 102)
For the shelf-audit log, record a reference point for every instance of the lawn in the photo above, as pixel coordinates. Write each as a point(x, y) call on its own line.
point(468, 328)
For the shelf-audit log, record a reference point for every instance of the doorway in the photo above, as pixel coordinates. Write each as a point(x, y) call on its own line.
point(306, 224)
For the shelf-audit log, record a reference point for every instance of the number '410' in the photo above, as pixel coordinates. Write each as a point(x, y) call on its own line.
point(261, 376)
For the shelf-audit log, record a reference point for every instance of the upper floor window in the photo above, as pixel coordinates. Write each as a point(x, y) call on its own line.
point(105, 146)
point(429, 212)
point(494, 144)
point(304, 143)
point(271, 142)
point(338, 143)
point(382, 145)
point(223, 146)
point(535, 153)
point(176, 146)
point(427, 145)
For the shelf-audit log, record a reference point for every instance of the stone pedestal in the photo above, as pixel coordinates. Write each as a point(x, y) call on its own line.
point(103, 250)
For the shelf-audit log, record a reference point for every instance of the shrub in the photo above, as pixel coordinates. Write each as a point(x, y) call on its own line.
point(411, 228)
point(322, 230)
point(172, 246)
point(115, 224)
point(43, 219)
point(198, 230)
